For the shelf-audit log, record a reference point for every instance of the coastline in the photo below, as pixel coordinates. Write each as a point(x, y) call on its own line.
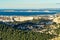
point(7, 18)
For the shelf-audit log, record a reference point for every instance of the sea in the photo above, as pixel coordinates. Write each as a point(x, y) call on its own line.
point(28, 12)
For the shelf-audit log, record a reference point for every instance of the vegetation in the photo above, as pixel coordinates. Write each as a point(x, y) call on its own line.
point(10, 33)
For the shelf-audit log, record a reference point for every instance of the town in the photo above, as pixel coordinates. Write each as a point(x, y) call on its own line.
point(30, 22)
point(41, 26)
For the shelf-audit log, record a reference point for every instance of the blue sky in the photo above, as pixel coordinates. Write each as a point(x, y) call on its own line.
point(29, 4)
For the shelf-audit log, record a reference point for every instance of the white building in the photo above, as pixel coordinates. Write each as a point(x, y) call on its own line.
point(57, 19)
point(6, 19)
point(23, 18)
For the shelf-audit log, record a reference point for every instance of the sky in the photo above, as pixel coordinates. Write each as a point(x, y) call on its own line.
point(29, 4)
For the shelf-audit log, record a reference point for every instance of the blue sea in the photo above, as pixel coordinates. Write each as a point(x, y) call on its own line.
point(26, 13)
